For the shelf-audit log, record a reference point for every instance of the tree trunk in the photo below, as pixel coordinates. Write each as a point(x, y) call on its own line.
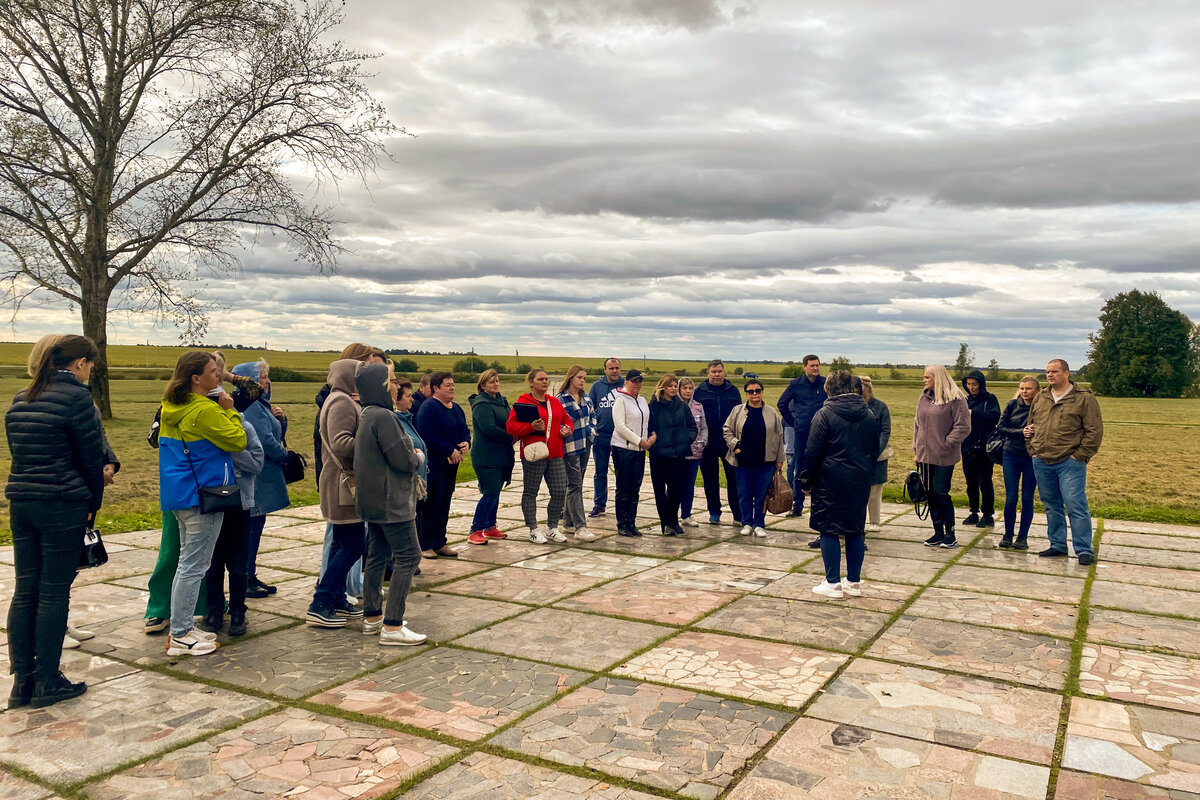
point(95, 326)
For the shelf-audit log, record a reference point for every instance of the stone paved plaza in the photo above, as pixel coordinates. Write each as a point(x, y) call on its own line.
point(628, 669)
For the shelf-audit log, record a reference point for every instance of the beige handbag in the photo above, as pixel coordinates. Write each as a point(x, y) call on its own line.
point(536, 451)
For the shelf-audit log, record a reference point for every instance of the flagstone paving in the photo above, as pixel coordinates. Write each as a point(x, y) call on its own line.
point(703, 665)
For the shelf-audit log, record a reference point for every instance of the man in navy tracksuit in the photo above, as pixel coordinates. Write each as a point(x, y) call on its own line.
point(718, 397)
point(799, 403)
point(601, 395)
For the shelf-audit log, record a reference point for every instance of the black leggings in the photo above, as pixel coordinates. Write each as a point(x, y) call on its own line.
point(941, 507)
point(229, 554)
point(977, 469)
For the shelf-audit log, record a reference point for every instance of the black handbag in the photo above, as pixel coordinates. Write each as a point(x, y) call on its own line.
point(214, 499)
point(916, 493)
point(293, 467)
point(995, 446)
point(92, 554)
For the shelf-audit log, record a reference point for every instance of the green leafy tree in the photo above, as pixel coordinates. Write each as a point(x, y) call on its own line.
point(523, 369)
point(1144, 348)
point(993, 371)
point(738, 370)
point(407, 365)
point(500, 368)
point(840, 362)
point(893, 373)
point(473, 364)
point(964, 362)
point(791, 371)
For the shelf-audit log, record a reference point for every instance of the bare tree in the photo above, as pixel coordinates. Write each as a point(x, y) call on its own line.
point(141, 141)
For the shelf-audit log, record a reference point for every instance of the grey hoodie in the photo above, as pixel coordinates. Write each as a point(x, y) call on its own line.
point(338, 420)
point(384, 459)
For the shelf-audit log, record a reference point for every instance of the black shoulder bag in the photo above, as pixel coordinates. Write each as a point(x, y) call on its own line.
point(93, 553)
point(916, 493)
point(214, 499)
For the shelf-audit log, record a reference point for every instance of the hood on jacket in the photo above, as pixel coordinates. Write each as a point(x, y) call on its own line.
point(173, 414)
point(850, 407)
point(371, 381)
point(484, 397)
point(979, 376)
point(341, 374)
point(253, 371)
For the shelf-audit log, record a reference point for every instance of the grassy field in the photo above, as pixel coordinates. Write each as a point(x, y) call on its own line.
point(1142, 471)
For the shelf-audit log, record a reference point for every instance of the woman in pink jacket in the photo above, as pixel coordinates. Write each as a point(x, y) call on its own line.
point(541, 443)
point(941, 424)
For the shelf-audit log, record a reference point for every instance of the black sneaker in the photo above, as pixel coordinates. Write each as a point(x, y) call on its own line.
point(948, 543)
point(815, 544)
point(324, 617)
point(213, 623)
point(256, 591)
point(348, 611)
point(679, 530)
point(667, 530)
point(237, 624)
point(1050, 552)
point(628, 531)
point(1007, 542)
point(155, 625)
point(1086, 559)
point(987, 522)
point(597, 511)
point(972, 518)
point(935, 540)
point(795, 512)
point(1020, 544)
point(48, 691)
point(22, 691)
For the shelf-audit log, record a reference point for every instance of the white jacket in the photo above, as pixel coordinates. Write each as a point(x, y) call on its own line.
point(631, 420)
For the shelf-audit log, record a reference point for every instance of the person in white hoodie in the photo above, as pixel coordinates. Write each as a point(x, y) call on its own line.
point(630, 441)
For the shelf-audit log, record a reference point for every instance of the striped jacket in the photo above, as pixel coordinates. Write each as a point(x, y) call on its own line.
point(583, 415)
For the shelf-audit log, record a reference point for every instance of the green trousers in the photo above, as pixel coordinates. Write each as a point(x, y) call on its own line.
point(159, 604)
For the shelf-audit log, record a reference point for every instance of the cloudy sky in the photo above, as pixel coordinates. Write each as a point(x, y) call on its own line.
point(751, 179)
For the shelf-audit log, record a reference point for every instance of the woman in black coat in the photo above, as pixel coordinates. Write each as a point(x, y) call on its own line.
point(843, 445)
point(1018, 465)
point(56, 483)
point(672, 420)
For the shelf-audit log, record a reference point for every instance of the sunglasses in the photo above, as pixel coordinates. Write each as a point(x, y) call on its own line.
point(754, 391)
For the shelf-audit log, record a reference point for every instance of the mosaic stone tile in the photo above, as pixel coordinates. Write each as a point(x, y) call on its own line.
point(299, 530)
point(13, 788)
point(1077, 786)
point(148, 539)
point(142, 581)
point(1144, 630)
point(291, 599)
point(305, 558)
point(134, 561)
point(78, 665)
point(117, 720)
point(1055, 588)
point(1151, 527)
point(1021, 657)
point(878, 547)
point(439, 570)
point(709, 577)
point(827, 760)
point(1138, 677)
point(1148, 557)
point(1148, 599)
point(885, 597)
point(455, 692)
point(1147, 745)
point(125, 638)
point(480, 776)
point(758, 671)
point(1189, 544)
point(95, 604)
point(650, 544)
point(1186, 579)
point(521, 585)
point(562, 637)
point(741, 554)
point(886, 568)
point(505, 551)
point(946, 709)
point(1023, 560)
point(828, 625)
point(301, 512)
point(290, 753)
point(660, 736)
point(295, 662)
point(901, 533)
point(1036, 616)
point(443, 617)
point(639, 599)
point(590, 563)
point(269, 544)
point(281, 520)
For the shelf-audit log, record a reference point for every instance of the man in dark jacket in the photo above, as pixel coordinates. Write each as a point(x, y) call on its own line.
point(718, 397)
point(977, 464)
point(602, 400)
point(801, 400)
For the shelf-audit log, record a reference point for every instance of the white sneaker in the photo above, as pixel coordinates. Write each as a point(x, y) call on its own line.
point(567, 528)
point(371, 628)
point(555, 535)
point(401, 638)
point(746, 530)
point(207, 636)
point(851, 589)
point(69, 642)
point(760, 533)
point(79, 634)
point(826, 589)
point(190, 645)
point(536, 536)
point(872, 528)
point(689, 522)
point(352, 601)
point(584, 535)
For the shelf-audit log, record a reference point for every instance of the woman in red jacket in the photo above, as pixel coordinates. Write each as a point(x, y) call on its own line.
point(541, 442)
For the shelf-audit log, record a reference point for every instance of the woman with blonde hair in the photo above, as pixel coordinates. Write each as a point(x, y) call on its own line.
point(577, 447)
point(941, 424)
point(674, 428)
point(884, 417)
point(1018, 464)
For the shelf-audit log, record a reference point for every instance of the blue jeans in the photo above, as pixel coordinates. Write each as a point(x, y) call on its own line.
point(689, 490)
point(1018, 479)
point(197, 539)
point(791, 469)
point(354, 578)
point(346, 551)
point(485, 512)
point(1062, 488)
point(752, 485)
point(799, 463)
point(601, 450)
point(831, 555)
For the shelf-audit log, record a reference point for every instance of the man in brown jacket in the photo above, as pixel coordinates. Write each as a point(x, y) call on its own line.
point(1063, 433)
